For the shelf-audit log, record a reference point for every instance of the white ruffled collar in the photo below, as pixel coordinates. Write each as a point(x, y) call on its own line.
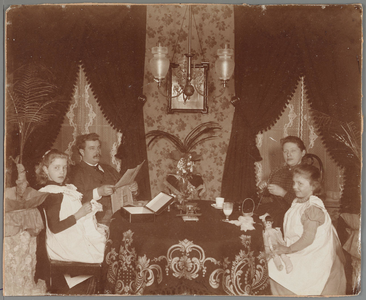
point(68, 189)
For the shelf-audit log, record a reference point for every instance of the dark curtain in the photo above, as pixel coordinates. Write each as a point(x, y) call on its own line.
point(273, 48)
point(266, 72)
point(113, 58)
point(109, 42)
point(331, 46)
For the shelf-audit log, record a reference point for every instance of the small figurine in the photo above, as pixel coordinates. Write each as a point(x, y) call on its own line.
point(271, 237)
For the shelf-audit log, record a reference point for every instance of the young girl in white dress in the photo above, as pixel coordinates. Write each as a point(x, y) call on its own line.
point(72, 233)
point(312, 243)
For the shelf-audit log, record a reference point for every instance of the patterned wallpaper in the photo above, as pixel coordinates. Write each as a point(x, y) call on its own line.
point(215, 27)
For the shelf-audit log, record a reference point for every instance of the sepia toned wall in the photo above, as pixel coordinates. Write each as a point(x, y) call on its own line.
point(215, 28)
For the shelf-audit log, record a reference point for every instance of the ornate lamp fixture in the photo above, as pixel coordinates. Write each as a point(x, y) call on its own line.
point(190, 82)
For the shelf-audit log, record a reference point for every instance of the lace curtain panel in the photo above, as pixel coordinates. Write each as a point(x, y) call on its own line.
point(84, 116)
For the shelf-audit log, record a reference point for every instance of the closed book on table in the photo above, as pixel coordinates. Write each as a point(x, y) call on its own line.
point(148, 212)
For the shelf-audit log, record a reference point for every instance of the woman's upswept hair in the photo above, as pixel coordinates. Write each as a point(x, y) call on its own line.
point(295, 140)
point(47, 159)
point(312, 173)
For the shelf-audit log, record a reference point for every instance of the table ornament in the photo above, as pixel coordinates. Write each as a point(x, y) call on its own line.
point(215, 206)
point(188, 211)
point(244, 222)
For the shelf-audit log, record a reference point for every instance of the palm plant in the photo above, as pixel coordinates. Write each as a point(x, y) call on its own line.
point(30, 94)
point(198, 135)
point(345, 134)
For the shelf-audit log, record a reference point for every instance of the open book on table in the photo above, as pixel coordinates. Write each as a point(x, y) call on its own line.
point(122, 195)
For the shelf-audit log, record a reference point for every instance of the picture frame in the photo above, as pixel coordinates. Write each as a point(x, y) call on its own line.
point(197, 103)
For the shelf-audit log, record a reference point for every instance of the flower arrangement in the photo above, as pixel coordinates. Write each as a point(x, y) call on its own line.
point(181, 181)
point(185, 167)
point(185, 172)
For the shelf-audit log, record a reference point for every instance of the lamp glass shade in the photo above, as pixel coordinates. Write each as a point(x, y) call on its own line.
point(159, 64)
point(225, 65)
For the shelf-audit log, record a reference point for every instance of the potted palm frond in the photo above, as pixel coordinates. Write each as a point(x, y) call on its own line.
point(185, 182)
point(345, 134)
point(30, 95)
point(198, 135)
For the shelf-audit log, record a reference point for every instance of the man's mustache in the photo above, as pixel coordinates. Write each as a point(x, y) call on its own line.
point(97, 155)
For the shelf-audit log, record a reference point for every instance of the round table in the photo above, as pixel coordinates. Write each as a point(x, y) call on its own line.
point(170, 256)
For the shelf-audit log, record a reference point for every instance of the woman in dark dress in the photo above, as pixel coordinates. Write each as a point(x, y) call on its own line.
point(278, 191)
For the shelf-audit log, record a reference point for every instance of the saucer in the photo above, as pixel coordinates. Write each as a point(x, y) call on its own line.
point(217, 207)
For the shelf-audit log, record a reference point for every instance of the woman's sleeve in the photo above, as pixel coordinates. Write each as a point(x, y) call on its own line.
point(283, 178)
point(312, 218)
point(52, 206)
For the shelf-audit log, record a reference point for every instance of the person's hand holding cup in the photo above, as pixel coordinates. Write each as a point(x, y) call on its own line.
point(219, 202)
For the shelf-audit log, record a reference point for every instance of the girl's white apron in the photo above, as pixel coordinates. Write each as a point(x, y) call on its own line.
point(83, 242)
point(312, 265)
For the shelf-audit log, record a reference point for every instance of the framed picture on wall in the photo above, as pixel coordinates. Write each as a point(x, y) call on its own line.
point(176, 82)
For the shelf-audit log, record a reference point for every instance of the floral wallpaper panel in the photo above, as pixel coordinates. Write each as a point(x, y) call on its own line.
point(213, 27)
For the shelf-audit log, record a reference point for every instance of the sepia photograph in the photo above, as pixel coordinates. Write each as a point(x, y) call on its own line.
point(182, 149)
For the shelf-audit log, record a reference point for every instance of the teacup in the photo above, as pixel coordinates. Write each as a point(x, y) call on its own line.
point(219, 202)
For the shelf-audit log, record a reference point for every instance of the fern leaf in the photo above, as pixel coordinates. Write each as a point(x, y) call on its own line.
point(202, 140)
point(344, 133)
point(158, 134)
point(198, 132)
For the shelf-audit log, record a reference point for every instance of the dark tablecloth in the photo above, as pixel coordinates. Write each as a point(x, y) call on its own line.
point(173, 257)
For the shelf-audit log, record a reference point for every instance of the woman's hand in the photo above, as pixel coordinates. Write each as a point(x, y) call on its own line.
point(280, 249)
point(83, 211)
point(276, 190)
point(262, 185)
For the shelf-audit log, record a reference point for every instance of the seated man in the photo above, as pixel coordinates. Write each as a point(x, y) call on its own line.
point(95, 181)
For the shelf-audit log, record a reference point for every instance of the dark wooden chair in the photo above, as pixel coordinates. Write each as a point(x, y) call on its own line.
point(314, 160)
point(74, 269)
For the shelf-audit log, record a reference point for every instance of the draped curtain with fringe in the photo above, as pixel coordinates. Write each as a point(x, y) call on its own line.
point(331, 41)
point(274, 46)
point(266, 73)
point(109, 41)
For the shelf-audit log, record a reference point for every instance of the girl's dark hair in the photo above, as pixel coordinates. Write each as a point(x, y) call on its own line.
point(47, 159)
point(295, 140)
point(312, 173)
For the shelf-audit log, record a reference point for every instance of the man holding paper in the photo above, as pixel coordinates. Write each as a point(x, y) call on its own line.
point(95, 181)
